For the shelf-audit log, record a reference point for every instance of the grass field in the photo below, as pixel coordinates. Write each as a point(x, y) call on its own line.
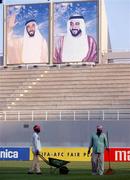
point(12, 170)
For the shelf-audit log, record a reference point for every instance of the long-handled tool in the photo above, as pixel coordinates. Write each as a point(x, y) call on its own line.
point(109, 171)
point(42, 157)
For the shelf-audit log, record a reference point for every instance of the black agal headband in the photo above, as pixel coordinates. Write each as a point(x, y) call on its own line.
point(76, 17)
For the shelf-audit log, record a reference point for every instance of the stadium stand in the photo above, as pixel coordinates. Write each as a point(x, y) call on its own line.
point(43, 92)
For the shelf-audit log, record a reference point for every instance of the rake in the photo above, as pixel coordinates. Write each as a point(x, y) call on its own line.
point(109, 171)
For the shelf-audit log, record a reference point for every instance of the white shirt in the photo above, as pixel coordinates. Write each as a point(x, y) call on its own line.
point(36, 144)
point(35, 49)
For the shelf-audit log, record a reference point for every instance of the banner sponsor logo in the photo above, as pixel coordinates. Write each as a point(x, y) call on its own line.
point(118, 155)
point(80, 154)
point(14, 153)
point(69, 154)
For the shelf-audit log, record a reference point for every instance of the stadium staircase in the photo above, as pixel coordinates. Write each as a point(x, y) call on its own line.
point(39, 91)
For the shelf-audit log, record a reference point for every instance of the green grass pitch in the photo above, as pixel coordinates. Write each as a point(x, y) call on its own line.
point(17, 170)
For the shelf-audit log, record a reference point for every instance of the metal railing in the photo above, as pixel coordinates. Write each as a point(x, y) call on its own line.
point(66, 115)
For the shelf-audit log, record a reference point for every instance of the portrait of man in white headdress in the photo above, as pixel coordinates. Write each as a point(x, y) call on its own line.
point(31, 47)
point(76, 45)
point(34, 41)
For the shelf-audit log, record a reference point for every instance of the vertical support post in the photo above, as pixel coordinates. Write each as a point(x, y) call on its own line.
point(18, 116)
point(5, 116)
point(5, 36)
point(118, 115)
point(60, 115)
point(51, 33)
point(103, 115)
point(88, 115)
point(74, 116)
point(46, 116)
point(32, 116)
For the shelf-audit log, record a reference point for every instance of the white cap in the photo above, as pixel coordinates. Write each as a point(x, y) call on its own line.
point(99, 127)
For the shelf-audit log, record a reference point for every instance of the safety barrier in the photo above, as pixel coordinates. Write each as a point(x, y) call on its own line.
point(67, 115)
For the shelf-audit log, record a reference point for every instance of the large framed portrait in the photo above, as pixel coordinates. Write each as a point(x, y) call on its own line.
point(75, 32)
point(27, 33)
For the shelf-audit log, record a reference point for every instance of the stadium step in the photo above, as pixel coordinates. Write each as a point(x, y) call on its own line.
point(65, 88)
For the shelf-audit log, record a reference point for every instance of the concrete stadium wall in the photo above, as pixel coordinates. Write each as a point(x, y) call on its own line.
point(68, 134)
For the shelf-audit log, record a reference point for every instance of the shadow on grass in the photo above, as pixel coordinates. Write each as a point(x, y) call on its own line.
point(20, 173)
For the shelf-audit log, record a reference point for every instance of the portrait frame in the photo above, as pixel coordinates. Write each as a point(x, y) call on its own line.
point(63, 10)
point(40, 12)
